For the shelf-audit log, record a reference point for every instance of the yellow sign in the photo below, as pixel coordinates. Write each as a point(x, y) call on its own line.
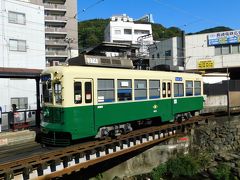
point(205, 64)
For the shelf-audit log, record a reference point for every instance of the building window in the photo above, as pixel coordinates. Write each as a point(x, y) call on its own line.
point(154, 89)
point(58, 92)
point(106, 91)
point(21, 102)
point(158, 56)
point(225, 49)
point(153, 57)
point(124, 90)
point(218, 50)
point(117, 32)
point(197, 88)
point(189, 88)
point(168, 53)
point(235, 48)
point(127, 31)
point(140, 89)
point(141, 32)
point(17, 45)
point(77, 92)
point(16, 18)
point(178, 90)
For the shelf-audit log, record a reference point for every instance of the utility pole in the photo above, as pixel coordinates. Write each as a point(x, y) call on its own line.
point(228, 95)
point(183, 50)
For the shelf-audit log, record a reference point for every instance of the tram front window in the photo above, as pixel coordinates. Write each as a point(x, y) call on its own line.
point(47, 92)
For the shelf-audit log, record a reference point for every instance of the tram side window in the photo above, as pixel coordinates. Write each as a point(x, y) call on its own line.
point(169, 92)
point(88, 92)
point(164, 94)
point(58, 92)
point(106, 91)
point(77, 92)
point(178, 90)
point(189, 88)
point(154, 89)
point(197, 88)
point(124, 90)
point(140, 87)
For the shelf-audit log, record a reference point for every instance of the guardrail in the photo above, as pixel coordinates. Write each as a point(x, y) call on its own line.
point(18, 120)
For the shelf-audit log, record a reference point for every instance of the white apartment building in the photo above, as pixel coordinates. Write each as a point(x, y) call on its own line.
point(123, 29)
point(22, 45)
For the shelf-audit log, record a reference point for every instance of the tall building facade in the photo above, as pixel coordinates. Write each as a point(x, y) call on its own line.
point(22, 45)
point(61, 31)
point(123, 29)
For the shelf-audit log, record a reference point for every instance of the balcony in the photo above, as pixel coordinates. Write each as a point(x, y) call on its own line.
point(60, 19)
point(53, 30)
point(55, 42)
point(55, 7)
point(56, 54)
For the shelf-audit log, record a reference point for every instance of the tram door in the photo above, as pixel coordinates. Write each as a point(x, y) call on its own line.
point(167, 96)
point(86, 114)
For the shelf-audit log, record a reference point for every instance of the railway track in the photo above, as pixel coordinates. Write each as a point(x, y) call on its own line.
point(66, 160)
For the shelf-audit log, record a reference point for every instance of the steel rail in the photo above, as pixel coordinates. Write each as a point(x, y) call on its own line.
point(40, 161)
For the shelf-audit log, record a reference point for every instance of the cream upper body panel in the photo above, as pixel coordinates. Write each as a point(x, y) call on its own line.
point(67, 75)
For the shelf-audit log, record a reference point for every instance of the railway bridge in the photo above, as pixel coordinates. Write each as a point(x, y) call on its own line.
point(54, 162)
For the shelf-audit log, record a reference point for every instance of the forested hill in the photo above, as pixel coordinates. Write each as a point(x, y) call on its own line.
point(91, 32)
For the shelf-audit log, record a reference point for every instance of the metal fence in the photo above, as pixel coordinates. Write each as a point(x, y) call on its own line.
point(18, 120)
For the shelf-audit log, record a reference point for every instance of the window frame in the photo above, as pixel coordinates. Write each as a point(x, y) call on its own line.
point(197, 88)
point(57, 92)
point(178, 89)
point(18, 100)
point(128, 90)
point(75, 92)
point(186, 88)
point(106, 90)
point(136, 89)
point(154, 88)
point(16, 21)
point(88, 92)
point(18, 47)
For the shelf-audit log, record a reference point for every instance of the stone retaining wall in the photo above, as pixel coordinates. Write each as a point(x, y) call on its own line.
point(218, 136)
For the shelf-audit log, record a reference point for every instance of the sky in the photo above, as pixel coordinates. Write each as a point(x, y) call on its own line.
point(188, 15)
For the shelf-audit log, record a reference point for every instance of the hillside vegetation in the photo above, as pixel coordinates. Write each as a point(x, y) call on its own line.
point(91, 32)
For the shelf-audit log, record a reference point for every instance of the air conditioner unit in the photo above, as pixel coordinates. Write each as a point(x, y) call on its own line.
point(55, 63)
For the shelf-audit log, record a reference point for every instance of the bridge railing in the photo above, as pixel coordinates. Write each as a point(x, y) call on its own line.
point(18, 120)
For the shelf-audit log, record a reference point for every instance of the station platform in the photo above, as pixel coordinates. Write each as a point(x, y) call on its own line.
point(16, 137)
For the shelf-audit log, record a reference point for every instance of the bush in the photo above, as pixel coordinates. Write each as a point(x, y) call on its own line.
point(185, 165)
point(223, 172)
point(159, 172)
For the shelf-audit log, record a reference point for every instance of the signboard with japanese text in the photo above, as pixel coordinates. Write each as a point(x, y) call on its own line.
point(205, 64)
point(228, 37)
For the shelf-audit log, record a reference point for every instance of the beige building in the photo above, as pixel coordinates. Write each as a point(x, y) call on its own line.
point(61, 31)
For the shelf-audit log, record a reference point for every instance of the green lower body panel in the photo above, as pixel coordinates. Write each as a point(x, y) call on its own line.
point(85, 121)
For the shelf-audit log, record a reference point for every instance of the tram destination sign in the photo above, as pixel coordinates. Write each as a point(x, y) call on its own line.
point(228, 37)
